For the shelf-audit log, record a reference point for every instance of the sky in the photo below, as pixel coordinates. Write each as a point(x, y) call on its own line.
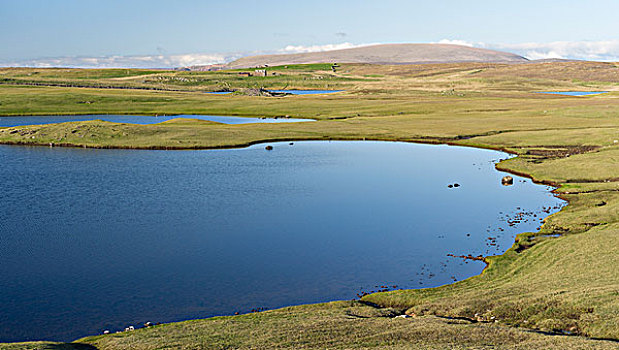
point(163, 33)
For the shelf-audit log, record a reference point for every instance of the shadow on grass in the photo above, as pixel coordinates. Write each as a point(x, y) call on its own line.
point(81, 347)
point(66, 346)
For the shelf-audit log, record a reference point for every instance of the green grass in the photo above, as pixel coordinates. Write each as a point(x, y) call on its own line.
point(337, 325)
point(559, 285)
point(74, 73)
point(295, 76)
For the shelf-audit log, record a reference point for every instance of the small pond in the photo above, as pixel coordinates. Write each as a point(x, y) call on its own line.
point(307, 92)
point(573, 93)
point(102, 239)
point(138, 119)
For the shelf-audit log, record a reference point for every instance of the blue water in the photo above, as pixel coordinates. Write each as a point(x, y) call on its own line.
point(573, 93)
point(307, 92)
point(102, 239)
point(137, 119)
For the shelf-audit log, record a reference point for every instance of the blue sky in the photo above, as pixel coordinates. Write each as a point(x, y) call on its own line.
point(31, 30)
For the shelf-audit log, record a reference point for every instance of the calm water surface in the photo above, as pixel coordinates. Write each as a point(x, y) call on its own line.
point(307, 92)
point(137, 119)
point(102, 239)
point(574, 93)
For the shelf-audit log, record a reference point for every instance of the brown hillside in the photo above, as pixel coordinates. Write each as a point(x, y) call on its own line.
point(385, 54)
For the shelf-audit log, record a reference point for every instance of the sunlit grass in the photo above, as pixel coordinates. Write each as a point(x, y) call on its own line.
point(561, 285)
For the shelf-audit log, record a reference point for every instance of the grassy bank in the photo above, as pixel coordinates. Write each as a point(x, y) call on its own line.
point(564, 285)
point(337, 325)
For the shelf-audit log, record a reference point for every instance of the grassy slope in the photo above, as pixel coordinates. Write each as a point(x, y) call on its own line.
point(337, 325)
point(566, 284)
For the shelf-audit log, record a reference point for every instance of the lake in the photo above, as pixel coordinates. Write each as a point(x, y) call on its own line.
point(102, 239)
point(137, 119)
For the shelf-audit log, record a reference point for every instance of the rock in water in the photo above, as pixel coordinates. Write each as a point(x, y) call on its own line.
point(269, 148)
point(507, 180)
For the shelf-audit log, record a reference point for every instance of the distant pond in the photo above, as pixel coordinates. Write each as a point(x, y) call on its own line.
point(138, 119)
point(307, 92)
point(94, 240)
point(573, 93)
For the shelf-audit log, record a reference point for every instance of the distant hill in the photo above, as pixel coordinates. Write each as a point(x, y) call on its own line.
point(385, 54)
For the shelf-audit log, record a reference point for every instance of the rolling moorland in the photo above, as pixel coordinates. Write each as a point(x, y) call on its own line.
point(544, 292)
point(385, 54)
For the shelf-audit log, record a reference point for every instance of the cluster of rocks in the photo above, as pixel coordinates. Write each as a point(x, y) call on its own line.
point(270, 148)
point(485, 318)
point(379, 289)
point(132, 328)
point(262, 92)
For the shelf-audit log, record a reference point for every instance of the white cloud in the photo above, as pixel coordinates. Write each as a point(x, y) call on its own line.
point(145, 61)
point(319, 48)
point(607, 50)
point(581, 50)
point(162, 60)
point(455, 42)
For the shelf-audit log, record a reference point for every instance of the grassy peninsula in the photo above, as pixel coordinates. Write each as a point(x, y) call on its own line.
point(544, 292)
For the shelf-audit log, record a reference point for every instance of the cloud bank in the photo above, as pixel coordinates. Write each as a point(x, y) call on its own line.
point(161, 60)
point(319, 48)
point(455, 42)
point(607, 50)
point(145, 61)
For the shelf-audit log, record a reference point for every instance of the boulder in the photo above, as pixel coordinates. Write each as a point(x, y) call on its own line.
point(507, 180)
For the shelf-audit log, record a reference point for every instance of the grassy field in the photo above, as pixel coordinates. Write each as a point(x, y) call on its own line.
point(565, 285)
point(308, 76)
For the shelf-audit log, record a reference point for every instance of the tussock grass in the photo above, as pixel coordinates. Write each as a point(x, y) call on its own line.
point(337, 325)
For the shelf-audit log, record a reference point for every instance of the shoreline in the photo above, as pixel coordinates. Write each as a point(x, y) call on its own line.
point(487, 260)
